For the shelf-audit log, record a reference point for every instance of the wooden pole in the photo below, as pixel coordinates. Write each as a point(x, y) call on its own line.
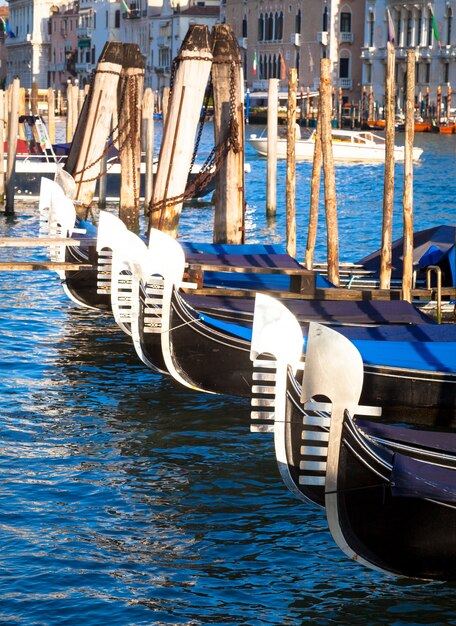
point(75, 106)
point(87, 147)
point(290, 190)
point(69, 113)
point(165, 103)
point(228, 127)
point(195, 60)
point(439, 104)
point(59, 102)
point(51, 114)
point(2, 143)
point(307, 106)
point(329, 174)
point(130, 98)
point(271, 173)
point(22, 111)
point(314, 196)
point(34, 99)
point(148, 121)
point(12, 146)
point(407, 205)
point(388, 181)
point(448, 102)
point(339, 108)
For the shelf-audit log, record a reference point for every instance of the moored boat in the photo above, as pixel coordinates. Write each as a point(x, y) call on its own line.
point(348, 146)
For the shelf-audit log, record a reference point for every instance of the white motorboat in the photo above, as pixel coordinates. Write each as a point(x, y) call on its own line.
point(348, 146)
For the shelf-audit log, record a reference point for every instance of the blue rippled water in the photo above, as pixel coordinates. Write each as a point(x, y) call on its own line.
point(126, 499)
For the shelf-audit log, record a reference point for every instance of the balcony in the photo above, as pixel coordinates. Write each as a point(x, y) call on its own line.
point(323, 38)
point(425, 52)
point(84, 32)
point(132, 14)
point(162, 42)
point(345, 83)
point(345, 37)
point(401, 53)
point(368, 54)
point(447, 52)
point(57, 67)
point(295, 39)
point(83, 67)
point(243, 42)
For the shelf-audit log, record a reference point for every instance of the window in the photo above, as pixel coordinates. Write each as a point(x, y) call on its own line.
point(117, 19)
point(446, 72)
point(370, 30)
point(298, 61)
point(345, 22)
point(344, 67)
point(261, 28)
point(325, 20)
point(298, 21)
point(408, 41)
point(429, 29)
point(419, 27)
point(398, 28)
point(368, 73)
point(244, 27)
point(427, 73)
point(270, 28)
point(449, 17)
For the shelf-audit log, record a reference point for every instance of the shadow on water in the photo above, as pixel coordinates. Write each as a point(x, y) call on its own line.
point(126, 499)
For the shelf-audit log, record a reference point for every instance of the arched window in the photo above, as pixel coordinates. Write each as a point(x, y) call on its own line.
point(408, 39)
point(429, 28)
point(419, 27)
point(275, 72)
point(279, 26)
point(325, 20)
point(344, 64)
point(261, 27)
point(270, 28)
point(370, 29)
point(244, 27)
point(449, 18)
point(298, 21)
point(261, 67)
point(270, 75)
point(345, 22)
point(298, 60)
point(398, 28)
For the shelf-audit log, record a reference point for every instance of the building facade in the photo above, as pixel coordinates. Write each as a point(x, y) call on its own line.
point(427, 27)
point(29, 50)
point(63, 24)
point(275, 36)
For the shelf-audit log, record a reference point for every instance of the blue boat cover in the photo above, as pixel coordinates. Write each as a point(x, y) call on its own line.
point(431, 440)
point(410, 353)
point(432, 246)
point(328, 311)
point(231, 248)
point(416, 479)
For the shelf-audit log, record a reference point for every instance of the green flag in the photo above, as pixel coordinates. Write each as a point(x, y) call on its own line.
point(435, 30)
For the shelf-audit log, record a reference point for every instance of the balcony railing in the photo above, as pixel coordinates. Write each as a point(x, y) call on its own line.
point(345, 83)
point(346, 37)
point(83, 67)
point(84, 32)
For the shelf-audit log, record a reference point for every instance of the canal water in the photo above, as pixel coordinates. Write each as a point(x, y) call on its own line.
point(126, 499)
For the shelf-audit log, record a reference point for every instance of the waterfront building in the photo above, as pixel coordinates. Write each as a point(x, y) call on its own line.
point(275, 36)
point(3, 54)
point(63, 45)
point(168, 27)
point(426, 26)
point(29, 48)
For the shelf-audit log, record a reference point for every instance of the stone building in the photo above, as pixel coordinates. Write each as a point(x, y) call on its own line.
point(64, 45)
point(29, 50)
point(275, 36)
point(413, 28)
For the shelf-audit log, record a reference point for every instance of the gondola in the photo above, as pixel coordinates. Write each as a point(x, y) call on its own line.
point(389, 503)
point(409, 367)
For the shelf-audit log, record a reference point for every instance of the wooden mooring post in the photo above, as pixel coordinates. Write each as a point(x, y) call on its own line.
point(388, 184)
point(271, 172)
point(228, 130)
point(190, 80)
point(314, 195)
point(13, 126)
point(329, 173)
point(130, 110)
point(148, 140)
point(2, 143)
point(290, 185)
point(407, 204)
point(84, 159)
